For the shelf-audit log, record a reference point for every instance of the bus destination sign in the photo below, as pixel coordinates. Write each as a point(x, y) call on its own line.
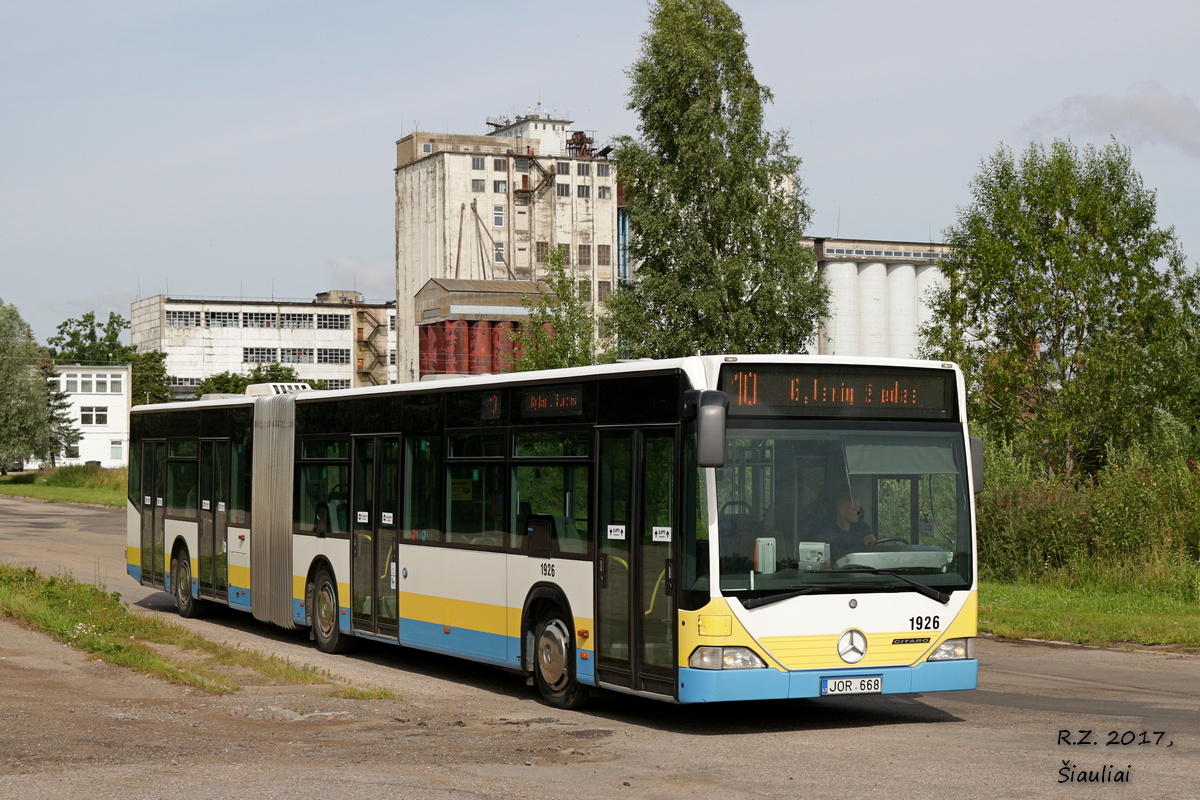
point(818, 390)
point(552, 401)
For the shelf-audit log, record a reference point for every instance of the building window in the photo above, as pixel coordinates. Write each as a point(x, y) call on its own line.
point(583, 169)
point(585, 291)
point(115, 383)
point(85, 384)
point(295, 320)
point(93, 415)
point(521, 165)
point(563, 190)
point(478, 162)
point(71, 382)
point(391, 322)
point(222, 319)
point(296, 355)
point(186, 381)
point(337, 383)
point(585, 255)
point(72, 451)
point(500, 187)
point(392, 358)
point(183, 319)
point(260, 319)
point(565, 249)
point(541, 252)
point(603, 290)
point(260, 355)
point(333, 355)
point(497, 216)
point(478, 185)
point(498, 254)
point(116, 449)
point(427, 147)
point(564, 168)
point(602, 170)
point(333, 322)
point(101, 384)
point(604, 192)
point(583, 190)
point(499, 165)
point(604, 255)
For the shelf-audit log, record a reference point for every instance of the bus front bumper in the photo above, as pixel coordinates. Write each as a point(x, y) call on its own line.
point(710, 686)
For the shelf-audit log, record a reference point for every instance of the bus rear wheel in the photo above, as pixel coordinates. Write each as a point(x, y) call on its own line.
point(554, 661)
point(181, 585)
point(326, 627)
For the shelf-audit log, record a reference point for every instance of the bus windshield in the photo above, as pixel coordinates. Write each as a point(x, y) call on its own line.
point(825, 509)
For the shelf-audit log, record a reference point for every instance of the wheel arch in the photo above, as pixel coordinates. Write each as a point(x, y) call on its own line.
point(540, 597)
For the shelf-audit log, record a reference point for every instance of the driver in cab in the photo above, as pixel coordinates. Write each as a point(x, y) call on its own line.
point(846, 532)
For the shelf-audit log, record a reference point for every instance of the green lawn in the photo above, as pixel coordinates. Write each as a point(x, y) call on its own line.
point(1088, 617)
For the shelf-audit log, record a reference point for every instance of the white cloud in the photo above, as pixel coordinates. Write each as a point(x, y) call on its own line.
point(1147, 114)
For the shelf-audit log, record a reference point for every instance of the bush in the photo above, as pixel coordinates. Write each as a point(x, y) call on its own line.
point(1135, 525)
point(87, 476)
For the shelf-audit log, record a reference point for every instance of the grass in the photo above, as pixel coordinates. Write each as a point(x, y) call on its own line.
point(1091, 616)
point(99, 623)
point(87, 485)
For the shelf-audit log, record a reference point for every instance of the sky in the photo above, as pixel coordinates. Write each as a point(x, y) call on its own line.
point(246, 148)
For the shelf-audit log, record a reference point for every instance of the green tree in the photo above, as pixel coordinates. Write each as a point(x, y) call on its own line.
point(561, 329)
point(1070, 309)
point(715, 201)
point(150, 382)
point(24, 394)
point(87, 341)
point(236, 382)
point(62, 432)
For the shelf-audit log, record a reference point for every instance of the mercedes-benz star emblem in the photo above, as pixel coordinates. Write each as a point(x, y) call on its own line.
point(852, 646)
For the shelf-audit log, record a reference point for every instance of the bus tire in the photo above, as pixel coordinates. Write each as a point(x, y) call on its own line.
point(323, 601)
point(554, 660)
point(181, 586)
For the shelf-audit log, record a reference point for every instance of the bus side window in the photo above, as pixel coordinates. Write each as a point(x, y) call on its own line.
point(423, 501)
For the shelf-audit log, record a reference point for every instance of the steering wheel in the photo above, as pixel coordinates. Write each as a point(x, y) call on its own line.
point(888, 540)
point(737, 503)
point(339, 492)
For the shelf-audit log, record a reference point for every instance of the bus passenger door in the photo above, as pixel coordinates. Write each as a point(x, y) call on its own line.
point(635, 602)
point(154, 492)
point(214, 514)
point(374, 536)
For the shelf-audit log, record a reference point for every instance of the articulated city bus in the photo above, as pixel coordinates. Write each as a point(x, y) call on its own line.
point(705, 529)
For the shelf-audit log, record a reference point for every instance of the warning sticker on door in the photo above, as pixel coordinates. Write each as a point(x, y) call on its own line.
point(616, 531)
point(364, 516)
point(661, 534)
point(386, 517)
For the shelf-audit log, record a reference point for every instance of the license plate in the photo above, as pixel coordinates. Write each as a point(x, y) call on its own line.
point(872, 684)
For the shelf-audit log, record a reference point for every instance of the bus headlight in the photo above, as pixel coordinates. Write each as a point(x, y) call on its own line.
point(953, 650)
point(725, 658)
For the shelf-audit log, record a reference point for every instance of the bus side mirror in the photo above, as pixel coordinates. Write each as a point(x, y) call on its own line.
point(710, 428)
point(976, 464)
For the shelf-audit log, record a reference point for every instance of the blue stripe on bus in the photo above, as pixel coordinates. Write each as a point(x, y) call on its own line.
point(239, 597)
point(488, 648)
point(134, 571)
point(705, 685)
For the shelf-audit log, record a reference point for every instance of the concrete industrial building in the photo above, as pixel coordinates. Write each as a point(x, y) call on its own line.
point(491, 208)
point(878, 295)
point(338, 338)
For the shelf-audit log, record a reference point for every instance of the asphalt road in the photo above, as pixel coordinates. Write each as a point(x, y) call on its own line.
point(1021, 734)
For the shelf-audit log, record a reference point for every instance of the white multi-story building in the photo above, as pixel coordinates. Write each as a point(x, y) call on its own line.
point(492, 207)
point(100, 401)
point(338, 338)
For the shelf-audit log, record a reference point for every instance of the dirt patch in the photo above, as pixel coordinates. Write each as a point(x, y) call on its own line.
point(67, 714)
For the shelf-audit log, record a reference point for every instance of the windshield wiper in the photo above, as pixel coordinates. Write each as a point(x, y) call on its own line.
point(757, 602)
point(921, 588)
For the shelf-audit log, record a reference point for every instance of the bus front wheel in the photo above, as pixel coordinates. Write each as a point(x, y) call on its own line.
point(554, 661)
point(323, 602)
